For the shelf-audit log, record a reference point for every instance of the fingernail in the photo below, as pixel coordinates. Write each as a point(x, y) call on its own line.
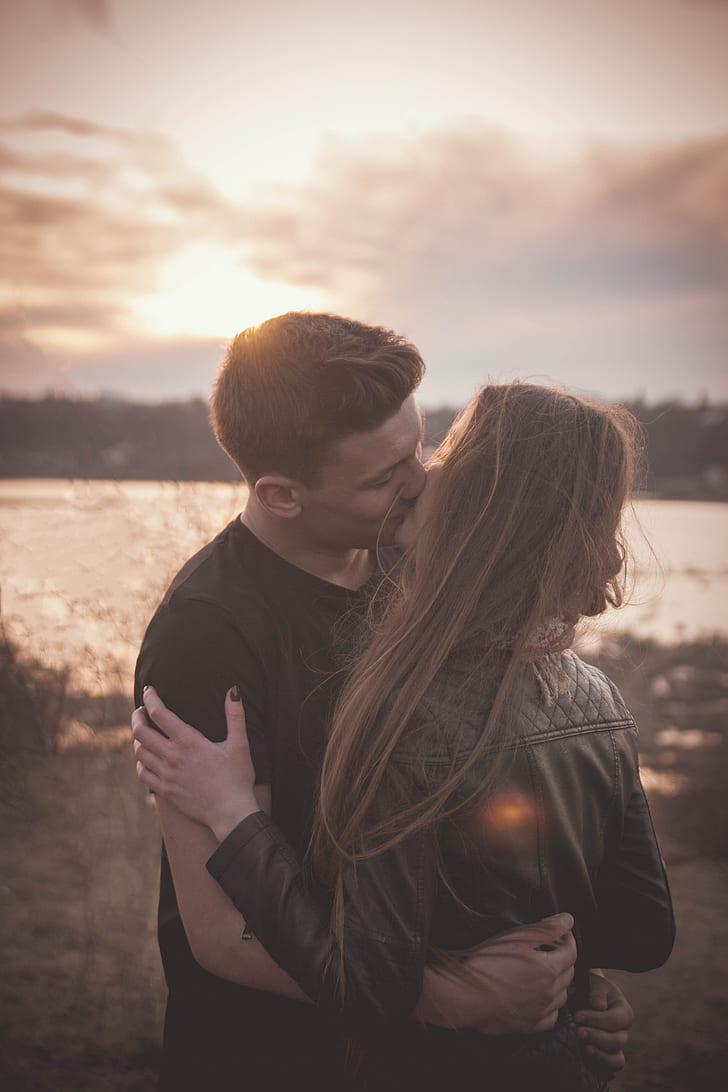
point(566, 920)
point(234, 693)
point(145, 689)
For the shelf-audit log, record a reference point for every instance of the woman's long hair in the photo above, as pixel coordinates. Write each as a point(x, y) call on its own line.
point(525, 527)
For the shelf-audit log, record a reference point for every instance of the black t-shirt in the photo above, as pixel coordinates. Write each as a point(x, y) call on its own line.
point(237, 613)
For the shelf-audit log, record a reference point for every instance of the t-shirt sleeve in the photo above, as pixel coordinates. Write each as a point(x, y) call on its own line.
point(192, 654)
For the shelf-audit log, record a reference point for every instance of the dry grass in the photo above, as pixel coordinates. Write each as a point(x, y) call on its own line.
point(81, 1000)
point(679, 697)
point(81, 997)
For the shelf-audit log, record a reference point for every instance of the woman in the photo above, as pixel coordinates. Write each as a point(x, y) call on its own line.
point(478, 775)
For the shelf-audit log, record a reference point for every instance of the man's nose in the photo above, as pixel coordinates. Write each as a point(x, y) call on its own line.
point(415, 482)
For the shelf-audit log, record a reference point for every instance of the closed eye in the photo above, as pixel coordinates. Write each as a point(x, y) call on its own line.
point(382, 481)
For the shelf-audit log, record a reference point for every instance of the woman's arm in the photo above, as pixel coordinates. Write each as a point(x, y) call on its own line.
point(509, 984)
point(386, 918)
point(635, 928)
point(514, 982)
point(515, 987)
point(387, 900)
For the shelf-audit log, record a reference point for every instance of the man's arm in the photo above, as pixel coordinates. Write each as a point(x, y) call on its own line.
point(193, 654)
point(505, 984)
point(461, 999)
point(389, 900)
point(212, 924)
point(513, 982)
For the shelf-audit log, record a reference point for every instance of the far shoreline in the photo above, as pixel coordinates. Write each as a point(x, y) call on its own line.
point(12, 482)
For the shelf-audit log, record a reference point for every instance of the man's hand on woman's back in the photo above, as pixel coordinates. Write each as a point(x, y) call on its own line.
point(516, 982)
point(513, 982)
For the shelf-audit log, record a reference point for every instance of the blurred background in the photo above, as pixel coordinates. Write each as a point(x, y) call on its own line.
point(524, 190)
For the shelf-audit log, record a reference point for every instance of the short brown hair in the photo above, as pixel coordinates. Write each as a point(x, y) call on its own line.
point(290, 387)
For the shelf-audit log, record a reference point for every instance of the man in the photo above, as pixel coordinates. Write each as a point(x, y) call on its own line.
point(319, 414)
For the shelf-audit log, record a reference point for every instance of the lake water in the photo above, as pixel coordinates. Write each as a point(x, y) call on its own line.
point(82, 565)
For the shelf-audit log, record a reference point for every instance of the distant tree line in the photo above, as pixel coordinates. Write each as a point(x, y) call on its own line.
point(687, 446)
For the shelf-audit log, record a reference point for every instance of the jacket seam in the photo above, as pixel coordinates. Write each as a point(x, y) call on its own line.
point(616, 782)
point(536, 776)
point(528, 741)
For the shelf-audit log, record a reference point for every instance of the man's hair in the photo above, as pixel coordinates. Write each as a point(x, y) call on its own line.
point(289, 388)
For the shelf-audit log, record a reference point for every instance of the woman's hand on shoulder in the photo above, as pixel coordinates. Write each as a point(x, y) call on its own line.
point(212, 783)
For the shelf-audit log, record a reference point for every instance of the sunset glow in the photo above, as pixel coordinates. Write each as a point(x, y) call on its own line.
point(522, 189)
point(205, 291)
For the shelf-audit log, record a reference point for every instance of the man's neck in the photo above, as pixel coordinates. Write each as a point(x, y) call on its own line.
point(347, 568)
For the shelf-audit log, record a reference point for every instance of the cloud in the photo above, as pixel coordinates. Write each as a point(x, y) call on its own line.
point(50, 120)
point(484, 252)
point(606, 270)
point(94, 222)
point(90, 317)
point(470, 200)
point(96, 14)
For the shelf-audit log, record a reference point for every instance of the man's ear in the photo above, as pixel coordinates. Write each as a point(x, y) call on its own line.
point(278, 495)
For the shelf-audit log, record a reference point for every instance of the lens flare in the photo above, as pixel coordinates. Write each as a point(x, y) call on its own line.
point(508, 817)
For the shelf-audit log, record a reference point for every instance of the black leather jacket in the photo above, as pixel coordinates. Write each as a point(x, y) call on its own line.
point(568, 828)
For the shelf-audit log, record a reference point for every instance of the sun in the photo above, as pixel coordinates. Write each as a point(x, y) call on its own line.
point(206, 292)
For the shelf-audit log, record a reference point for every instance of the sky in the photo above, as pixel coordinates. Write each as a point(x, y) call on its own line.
point(523, 188)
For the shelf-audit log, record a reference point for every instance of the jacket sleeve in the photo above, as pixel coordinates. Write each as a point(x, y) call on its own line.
point(635, 922)
point(388, 904)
